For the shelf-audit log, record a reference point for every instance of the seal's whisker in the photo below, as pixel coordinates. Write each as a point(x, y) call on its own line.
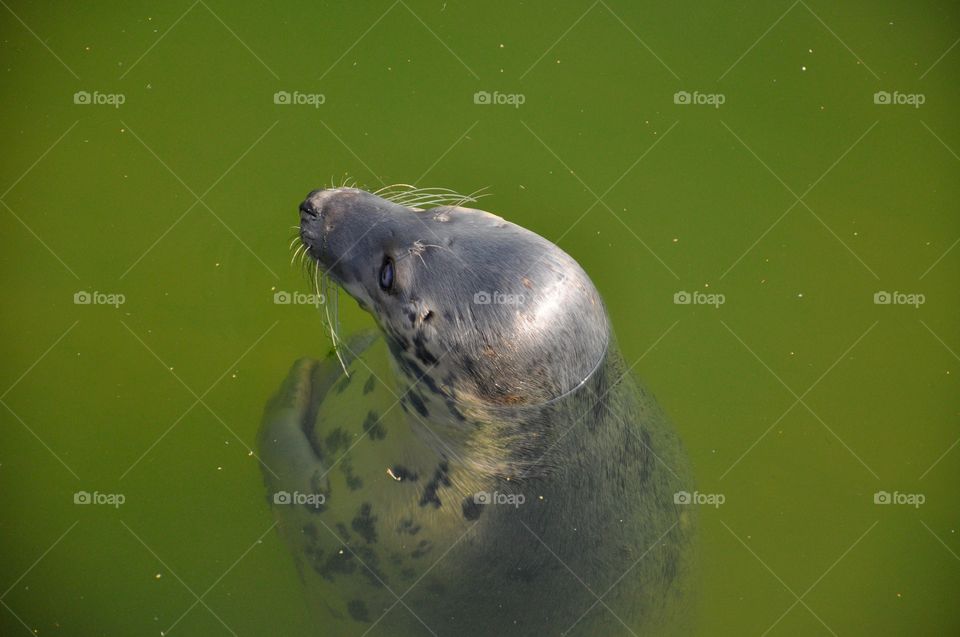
point(336, 308)
point(479, 192)
point(392, 187)
point(297, 253)
point(435, 200)
point(423, 201)
point(413, 196)
point(333, 322)
point(424, 193)
point(305, 266)
point(475, 196)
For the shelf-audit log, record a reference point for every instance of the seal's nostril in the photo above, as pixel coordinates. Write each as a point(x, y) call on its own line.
point(307, 208)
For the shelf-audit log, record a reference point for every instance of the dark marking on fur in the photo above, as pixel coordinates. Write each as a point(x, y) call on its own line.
point(430, 384)
point(354, 481)
point(318, 485)
point(371, 565)
point(337, 440)
point(374, 428)
point(398, 343)
point(315, 557)
point(471, 510)
point(365, 524)
point(410, 367)
point(420, 349)
point(339, 562)
point(417, 403)
point(316, 508)
point(440, 478)
point(358, 610)
point(408, 526)
point(368, 386)
point(423, 547)
point(401, 473)
point(454, 411)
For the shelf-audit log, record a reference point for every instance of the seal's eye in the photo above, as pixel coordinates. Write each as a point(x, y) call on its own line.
point(386, 274)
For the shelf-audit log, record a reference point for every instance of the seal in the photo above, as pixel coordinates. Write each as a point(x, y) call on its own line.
point(484, 463)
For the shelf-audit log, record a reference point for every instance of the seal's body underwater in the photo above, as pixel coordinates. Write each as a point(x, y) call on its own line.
point(508, 477)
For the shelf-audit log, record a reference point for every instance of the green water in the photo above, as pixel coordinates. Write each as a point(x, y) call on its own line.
point(159, 398)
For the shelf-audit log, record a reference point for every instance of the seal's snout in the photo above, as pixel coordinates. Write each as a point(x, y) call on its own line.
point(310, 207)
point(327, 225)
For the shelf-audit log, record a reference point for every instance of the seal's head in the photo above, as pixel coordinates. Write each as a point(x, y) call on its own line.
point(491, 312)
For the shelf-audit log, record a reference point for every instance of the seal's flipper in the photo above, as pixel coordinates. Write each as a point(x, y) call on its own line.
point(289, 460)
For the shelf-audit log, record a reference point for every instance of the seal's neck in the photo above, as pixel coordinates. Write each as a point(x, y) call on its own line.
point(503, 441)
